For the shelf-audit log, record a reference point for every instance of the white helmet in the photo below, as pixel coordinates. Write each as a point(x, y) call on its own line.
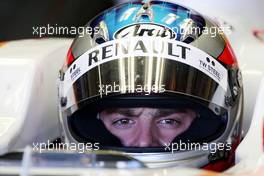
point(165, 49)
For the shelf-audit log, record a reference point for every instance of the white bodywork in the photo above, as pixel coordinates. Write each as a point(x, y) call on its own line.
point(28, 108)
point(29, 69)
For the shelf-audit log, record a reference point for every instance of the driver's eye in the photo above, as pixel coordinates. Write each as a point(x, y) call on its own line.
point(169, 122)
point(123, 123)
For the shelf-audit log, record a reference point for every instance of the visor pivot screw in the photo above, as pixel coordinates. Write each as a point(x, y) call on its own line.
point(235, 90)
point(217, 110)
point(63, 101)
point(239, 78)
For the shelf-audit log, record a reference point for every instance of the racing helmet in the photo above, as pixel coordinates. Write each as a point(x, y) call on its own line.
point(161, 55)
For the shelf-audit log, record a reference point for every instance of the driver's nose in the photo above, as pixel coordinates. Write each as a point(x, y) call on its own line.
point(146, 137)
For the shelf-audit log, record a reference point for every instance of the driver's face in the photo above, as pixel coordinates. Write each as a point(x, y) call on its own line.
point(146, 127)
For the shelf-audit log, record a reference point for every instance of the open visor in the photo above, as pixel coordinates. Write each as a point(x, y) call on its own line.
point(87, 126)
point(145, 72)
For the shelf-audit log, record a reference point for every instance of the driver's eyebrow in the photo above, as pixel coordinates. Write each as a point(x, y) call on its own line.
point(129, 112)
point(167, 112)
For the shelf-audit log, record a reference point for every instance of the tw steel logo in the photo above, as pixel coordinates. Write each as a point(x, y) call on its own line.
point(145, 30)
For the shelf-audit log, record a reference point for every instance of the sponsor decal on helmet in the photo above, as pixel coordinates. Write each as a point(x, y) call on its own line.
point(145, 30)
point(146, 47)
